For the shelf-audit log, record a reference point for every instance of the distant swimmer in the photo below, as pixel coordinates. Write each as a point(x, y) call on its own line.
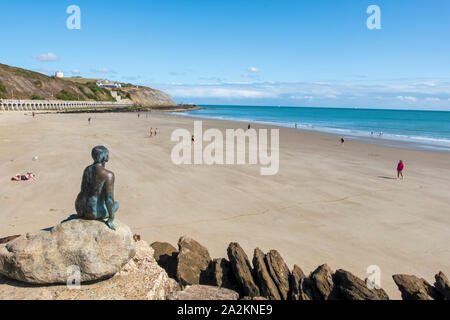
point(400, 168)
point(295, 126)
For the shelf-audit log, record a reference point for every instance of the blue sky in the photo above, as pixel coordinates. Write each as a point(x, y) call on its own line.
point(294, 53)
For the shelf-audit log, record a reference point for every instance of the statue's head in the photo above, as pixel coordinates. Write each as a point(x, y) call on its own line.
point(100, 154)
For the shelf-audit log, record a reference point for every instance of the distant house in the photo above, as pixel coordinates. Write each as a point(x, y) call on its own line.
point(109, 85)
point(59, 74)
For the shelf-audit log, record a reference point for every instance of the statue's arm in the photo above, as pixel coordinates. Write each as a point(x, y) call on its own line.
point(109, 190)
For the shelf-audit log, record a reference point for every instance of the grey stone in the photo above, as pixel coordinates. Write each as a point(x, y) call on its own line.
point(201, 292)
point(279, 271)
point(322, 283)
point(242, 270)
point(352, 288)
point(442, 285)
point(267, 286)
point(44, 257)
point(192, 261)
point(414, 288)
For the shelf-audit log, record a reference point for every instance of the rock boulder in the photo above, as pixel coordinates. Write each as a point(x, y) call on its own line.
point(192, 262)
point(45, 257)
point(242, 270)
point(352, 288)
point(414, 288)
point(166, 256)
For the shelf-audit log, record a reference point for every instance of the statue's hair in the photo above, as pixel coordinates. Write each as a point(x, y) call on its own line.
point(100, 154)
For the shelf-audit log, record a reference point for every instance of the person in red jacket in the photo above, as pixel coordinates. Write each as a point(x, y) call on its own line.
point(400, 168)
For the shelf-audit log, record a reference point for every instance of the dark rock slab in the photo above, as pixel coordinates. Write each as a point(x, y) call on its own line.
point(300, 288)
point(352, 288)
point(221, 274)
point(442, 285)
point(267, 286)
point(279, 272)
point(242, 270)
point(414, 288)
point(192, 261)
point(166, 256)
point(322, 283)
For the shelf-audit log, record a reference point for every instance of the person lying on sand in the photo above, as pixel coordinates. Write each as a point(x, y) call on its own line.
point(24, 177)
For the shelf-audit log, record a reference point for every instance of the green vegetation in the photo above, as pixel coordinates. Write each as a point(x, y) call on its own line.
point(3, 92)
point(36, 97)
point(68, 96)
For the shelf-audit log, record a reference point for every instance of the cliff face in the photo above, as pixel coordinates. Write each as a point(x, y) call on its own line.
point(148, 97)
point(17, 83)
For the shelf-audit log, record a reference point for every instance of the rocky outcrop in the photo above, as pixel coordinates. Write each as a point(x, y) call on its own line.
point(414, 288)
point(322, 283)
point(442, 285)
point(147, 97)
point(279, 272)
point(166, 256)
point(140, 279)
point(267, 286)
point(192, 262)
point(242, 270)
point(221, 274)
point(351, 287)
point(202, 292)
point(45, 257)
point(300, 287)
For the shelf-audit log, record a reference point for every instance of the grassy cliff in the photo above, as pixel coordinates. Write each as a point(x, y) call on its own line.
point(17, 83)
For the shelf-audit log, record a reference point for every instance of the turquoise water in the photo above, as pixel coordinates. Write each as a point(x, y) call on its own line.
point(422, 129)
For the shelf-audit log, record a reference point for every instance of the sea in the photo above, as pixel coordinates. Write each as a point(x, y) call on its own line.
point(397, 128)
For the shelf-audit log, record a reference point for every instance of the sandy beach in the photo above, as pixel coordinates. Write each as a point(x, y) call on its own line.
point(333, 204)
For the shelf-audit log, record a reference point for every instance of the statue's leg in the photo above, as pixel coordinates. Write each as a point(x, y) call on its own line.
point(110, 221)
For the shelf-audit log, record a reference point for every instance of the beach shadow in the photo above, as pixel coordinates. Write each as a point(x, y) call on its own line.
point(388, 178)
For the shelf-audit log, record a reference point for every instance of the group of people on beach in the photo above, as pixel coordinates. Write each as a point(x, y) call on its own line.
point(153, 132)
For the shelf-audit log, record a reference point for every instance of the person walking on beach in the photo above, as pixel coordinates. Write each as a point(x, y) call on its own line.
point(156, 131)
point(400, 168)
point(342, 141)
point(249, 126)
point(89, 120)
point(151, 132)
point(192, 139)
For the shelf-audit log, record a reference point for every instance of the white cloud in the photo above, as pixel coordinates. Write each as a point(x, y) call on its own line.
point(378, 94)
point(216, 92)
point(407, 98)
point(75, 71)
point(433, 99)
point(102, 70)
point(46, 57)
point(253, 69)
